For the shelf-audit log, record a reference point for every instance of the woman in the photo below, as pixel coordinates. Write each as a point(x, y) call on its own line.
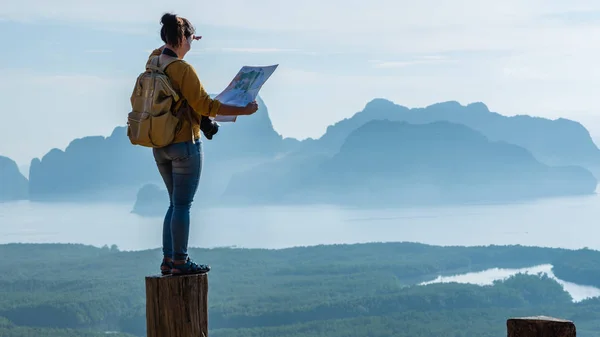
point(180, 163)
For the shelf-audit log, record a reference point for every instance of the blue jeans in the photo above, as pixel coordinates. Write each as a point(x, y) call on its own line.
point(180, 165)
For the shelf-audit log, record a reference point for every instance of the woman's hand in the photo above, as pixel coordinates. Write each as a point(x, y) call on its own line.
point(251, 108)
point(230, 110)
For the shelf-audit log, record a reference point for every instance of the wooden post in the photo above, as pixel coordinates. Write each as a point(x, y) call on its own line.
point(540, 326)
point(177, 306)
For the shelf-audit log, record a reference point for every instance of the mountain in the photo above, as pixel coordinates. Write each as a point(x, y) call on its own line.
point(13, 185)
point(92, 168)
point(249, 160)
point(151, 200)
point(396, 163)
point(553, 142)
point(97, 167)
point(248, 137)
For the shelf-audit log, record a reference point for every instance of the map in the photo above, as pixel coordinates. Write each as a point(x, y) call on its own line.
point(244, 88)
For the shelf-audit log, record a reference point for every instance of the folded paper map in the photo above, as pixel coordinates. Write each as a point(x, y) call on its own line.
point(244, 88)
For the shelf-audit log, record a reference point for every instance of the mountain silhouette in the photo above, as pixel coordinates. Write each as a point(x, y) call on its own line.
point(397, 163)
point(553, 142)
point(152, 200)
point(100, 168)
point(13, 185)
point(249, 160)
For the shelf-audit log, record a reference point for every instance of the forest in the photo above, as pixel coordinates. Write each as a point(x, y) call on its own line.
point(64, 290)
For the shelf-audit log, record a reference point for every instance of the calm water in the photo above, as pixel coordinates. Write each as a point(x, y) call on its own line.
point(487, 277)
point(563, 222)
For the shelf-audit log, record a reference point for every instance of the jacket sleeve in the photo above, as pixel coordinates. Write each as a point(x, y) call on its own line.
point(195, 94)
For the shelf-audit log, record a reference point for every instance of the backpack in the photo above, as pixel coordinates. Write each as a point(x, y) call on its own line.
point(151, 122)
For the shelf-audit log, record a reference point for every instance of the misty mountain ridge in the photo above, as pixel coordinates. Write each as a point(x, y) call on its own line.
point(97, 167)
point(13, 185)
point(553, 142)
point(384, 162)
point(265, 166)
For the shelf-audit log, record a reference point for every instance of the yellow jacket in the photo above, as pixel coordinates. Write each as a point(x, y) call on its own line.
point(186, 82)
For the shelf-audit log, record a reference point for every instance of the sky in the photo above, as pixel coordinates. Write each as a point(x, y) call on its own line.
point(68, 67)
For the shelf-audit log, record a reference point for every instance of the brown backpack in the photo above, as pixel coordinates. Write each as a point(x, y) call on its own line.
point(151, 122)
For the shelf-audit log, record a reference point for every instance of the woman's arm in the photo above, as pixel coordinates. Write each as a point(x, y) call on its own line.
point(229, 110)
point(193, 91)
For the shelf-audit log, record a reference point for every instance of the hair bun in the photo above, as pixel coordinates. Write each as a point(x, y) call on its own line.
point(169, 19)
point(174, 29)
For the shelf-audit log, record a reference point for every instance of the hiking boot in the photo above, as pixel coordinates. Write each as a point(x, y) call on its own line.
point(165, 267)
point(189, 268)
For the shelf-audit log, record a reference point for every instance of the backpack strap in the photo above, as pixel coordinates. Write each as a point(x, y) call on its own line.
point(181, 107)
point(155, 66)
point(169, 60)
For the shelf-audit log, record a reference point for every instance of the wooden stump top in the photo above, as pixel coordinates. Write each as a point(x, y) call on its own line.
point(177, 306)
point(540, 326)
point(166, 277)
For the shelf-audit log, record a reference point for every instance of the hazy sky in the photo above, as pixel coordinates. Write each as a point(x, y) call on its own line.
point(68, 66)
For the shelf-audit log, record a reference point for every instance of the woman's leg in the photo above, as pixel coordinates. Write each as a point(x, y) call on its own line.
point(165, 169)
point(186, 176)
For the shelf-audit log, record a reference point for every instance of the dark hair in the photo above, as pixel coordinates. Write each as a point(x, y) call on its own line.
point(174, 29)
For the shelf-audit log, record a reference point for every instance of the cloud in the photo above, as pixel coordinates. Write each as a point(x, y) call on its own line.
point(249, 50)
point(98, 51)
point(76, 83)
point(333, 15)
point(508, 85)
point(574, 17)
point(534, 56)
point(425, 60)
point(392, 25)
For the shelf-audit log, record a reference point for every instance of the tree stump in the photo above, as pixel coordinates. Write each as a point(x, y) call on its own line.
point(540, 326)
point(177, 306)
